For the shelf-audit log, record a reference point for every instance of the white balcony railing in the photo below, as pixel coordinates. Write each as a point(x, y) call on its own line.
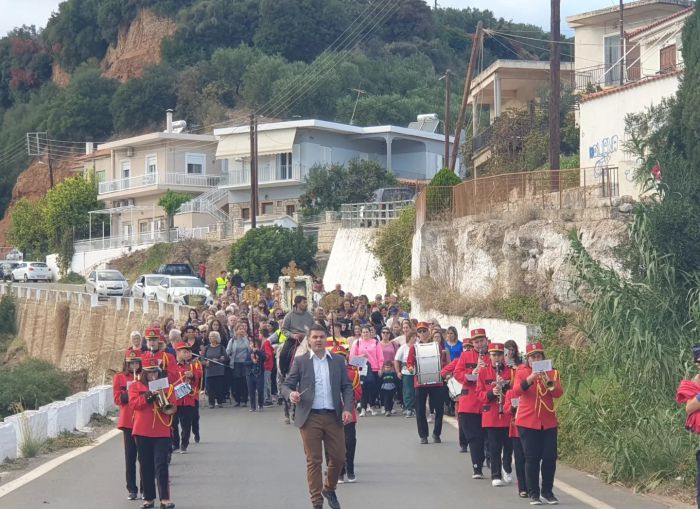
point(164, 179)
point(140, 239)
point(267, 173)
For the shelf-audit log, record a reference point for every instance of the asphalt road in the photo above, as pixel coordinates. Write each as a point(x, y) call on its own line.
point(248, 460)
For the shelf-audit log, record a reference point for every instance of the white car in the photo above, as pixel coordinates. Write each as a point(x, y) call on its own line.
point(146, 285)
point(184, 290)
point(107, 283)
point(32, 271)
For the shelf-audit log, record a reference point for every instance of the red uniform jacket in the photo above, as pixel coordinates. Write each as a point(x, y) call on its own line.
point(269, 356)
point(536, 408)
point(167, 363)
point(686, 391)
point(485, 383)
point(354, 376)
point(449, 369)
point(192, 397)
point(199, 373)
point(511, 410)
point(411, 363)
point(121, 399)
point(149, 421)
point(469, 402)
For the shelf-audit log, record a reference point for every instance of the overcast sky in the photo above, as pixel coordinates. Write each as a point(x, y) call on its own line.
point(15, 13)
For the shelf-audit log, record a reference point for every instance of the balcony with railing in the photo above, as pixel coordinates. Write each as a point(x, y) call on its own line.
point(268, 173)
point(140, 239)
point(156, 180)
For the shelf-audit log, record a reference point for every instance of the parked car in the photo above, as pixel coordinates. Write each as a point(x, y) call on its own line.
point(390, 194)
point(32, 271)
point(146, 285)
point(176, 269)
point(185, 290)
point(6, 268)
point(107, 283)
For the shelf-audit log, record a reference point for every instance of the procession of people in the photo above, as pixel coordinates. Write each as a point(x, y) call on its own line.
point(350, 359)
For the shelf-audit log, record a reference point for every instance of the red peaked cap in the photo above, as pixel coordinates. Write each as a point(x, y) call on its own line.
point(496, 347)
point(478, 333)
point(182, 346)
point(534, 348)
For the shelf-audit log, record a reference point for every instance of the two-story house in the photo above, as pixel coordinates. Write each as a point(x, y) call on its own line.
point(653, 66)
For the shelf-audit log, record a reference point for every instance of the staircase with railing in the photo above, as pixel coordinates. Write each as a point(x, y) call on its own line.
point(208, 203)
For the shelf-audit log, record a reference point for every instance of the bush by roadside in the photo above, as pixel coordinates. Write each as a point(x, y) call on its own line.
point(32, 383)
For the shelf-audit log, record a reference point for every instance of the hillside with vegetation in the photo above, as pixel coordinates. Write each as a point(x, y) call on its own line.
point(219, 59)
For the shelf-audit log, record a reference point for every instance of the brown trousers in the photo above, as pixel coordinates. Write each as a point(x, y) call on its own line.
point(319, 431)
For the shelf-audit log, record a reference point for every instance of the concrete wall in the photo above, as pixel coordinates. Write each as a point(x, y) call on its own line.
point(352, 264)
point(326, 236)
point(602, 122)
point(86, 261)
point(52, 419)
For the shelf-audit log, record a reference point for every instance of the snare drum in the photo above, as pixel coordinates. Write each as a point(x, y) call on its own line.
point(428, 363)
point(454, 388)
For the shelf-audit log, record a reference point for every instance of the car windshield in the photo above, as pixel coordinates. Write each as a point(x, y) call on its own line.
point(110, 276)
point(38, 265)
point(154, 281)
point(190, 282)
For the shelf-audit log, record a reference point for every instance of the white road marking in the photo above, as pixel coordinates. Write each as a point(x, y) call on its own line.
point(50, 465)
point(560, 485)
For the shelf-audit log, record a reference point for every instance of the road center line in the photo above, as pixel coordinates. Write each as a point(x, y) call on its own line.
point(50, 465)
point(562, 486)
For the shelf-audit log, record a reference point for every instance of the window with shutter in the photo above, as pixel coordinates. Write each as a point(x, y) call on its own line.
point(668, 58)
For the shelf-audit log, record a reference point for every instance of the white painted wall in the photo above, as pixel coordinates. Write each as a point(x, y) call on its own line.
point(352, 264)
point(8, 441)
point(84, 262)
point(602, 122)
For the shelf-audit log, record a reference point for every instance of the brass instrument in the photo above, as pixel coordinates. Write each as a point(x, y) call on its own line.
point(163, 403)
point(548, 382)
point(500, 383)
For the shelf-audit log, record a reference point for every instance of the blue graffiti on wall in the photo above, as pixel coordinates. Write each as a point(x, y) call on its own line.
point(602, 151)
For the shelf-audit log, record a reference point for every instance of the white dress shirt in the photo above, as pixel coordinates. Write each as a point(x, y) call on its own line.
point(323, 398)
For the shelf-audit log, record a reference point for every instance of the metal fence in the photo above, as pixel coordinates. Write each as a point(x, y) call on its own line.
point(558, 189)
point(371, 215)
point(141, 239)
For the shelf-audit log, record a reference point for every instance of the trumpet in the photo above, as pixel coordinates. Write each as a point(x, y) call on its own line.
point(162, 402)
point(548, 382)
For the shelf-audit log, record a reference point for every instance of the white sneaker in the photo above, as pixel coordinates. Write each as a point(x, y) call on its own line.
point(507, 478)
point(341, 479)
point(363, 413)
point(372, 411)
point(497, 483)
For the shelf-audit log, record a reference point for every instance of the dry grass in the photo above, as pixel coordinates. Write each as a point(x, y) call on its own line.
point(449, 301)
point(66, 440)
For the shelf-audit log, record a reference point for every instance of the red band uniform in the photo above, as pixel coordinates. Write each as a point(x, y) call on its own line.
point(166, 360)
point(120, 386)
point(187, 373)
point(493, 417)
point(537, 424)
point(469, 405)
point(152, 431)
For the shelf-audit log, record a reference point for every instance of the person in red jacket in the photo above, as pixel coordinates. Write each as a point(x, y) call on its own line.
point(347, 474)
point(155, 350)
point(493, 381)
point(537, 424)
point(434, 391)
point(469, 405)
point(120, 391)
point(197, 368)
point(688, 394)
point(188, 376)
point(151, 430)
point(510, 406)
point(268, 365)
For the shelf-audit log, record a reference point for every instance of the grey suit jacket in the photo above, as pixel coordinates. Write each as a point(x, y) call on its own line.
point(301, 378)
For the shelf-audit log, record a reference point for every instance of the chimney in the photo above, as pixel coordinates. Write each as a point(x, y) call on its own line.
point(89, 148)
point(169, 117)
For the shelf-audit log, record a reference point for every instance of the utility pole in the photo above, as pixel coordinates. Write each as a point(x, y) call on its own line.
point(476, 43)
point(253, 170)
point(622, 42)
point(357, 99)
point(448, 92)
point(50, 164)
point(554, 95)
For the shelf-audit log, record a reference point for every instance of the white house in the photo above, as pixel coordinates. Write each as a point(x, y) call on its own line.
point(653, 64)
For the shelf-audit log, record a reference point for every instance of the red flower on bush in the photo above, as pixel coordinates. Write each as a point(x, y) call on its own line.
point(656, 172)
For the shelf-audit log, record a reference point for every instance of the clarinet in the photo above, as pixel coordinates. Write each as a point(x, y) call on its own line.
point(499, 383)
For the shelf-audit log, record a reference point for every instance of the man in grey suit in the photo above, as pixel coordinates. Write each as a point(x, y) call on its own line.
point(319, 386)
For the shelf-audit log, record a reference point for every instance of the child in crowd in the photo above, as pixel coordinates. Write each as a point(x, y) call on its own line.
point(387, 388)
point(347, 474)
point(268, 365)
point(256, 376)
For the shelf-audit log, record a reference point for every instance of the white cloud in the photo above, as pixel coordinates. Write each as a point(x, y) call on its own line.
point(16, 13)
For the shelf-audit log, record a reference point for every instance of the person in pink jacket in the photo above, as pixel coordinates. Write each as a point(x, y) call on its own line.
point(369, 348)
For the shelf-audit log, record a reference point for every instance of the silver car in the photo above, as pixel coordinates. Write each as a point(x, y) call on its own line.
point(107, 283)
point(184, 290)
point(146, 285)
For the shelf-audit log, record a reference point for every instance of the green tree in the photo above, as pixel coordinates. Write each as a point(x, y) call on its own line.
point(260, 77)
point(439, 196)
point(328, 187)
point(33, 383)
point(392, 246)
point(263, 252)
point(171, 202)
point(27, 229)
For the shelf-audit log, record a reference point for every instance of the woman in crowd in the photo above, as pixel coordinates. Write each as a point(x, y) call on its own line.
point(368, 347)
point(396, 329)
point(215, 359)
point(356, 334)
point(216, 326)
point(192, 318)
point(454, 348)
point(238, 351)
point(513, 358)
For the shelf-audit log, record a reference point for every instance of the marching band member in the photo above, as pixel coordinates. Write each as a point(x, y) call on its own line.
point(688, 393)
point(120, 391)
point(511, 408)
point(197, 368)
point(469, 406)
point(433, 391)
point(537, 424)
point(190, 375)
point(492, 383)
point(152, 429)
point(155, 350)
point(347, 474)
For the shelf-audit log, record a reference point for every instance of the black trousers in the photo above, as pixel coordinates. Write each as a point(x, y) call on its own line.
point(216, 389)
point(195, 419)
point(130, 454)
point(519, 455)
point(540, 446)
point(387, 396)
point(273, 381)
point(436, 399)
point(470, 426)
point(256, 389)
point(368, 389)
point(500, 450)
point(239, 389)
point(350, 446)
point(153, 460)
point(182, 426)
